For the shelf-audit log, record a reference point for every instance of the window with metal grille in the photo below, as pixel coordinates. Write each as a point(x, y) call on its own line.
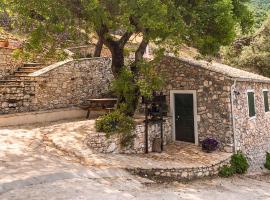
point(251, 104)
point(266, 100)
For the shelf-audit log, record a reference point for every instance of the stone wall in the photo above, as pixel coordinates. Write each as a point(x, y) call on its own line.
point(62, 85)
point(99, 143)
point(73, 83)
point(87, 51)
point(14, 99)
point(176, 174)
point(213, 97)
point(252, 135)
point(7, 63)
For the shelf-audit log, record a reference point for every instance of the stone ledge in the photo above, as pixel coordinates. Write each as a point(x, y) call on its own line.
point(172, 174)
point(41, 116)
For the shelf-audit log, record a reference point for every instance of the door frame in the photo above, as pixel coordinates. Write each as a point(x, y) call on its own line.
point(172, 110)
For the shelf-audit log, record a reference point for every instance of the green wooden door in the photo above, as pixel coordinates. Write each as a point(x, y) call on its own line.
point(184, 117)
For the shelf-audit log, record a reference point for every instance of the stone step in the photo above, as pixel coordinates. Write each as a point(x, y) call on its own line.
point(32, 64)
point(21, 83)
point(29, 69)
point(22, 77)
point(10, 86)
point(23, 73)
point(18, 80)
point(15, 93)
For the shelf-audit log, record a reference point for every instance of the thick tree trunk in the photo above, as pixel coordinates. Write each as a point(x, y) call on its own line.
point(117, 51)
point(117, 59)
point(98, 48)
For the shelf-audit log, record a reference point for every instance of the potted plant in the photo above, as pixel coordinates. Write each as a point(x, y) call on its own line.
point(209, 145)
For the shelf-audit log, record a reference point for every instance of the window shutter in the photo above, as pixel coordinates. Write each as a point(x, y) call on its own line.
point(251, 104)
point(266, 101)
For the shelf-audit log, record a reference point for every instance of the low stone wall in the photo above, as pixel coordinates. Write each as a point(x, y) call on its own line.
point(7, 63)
point(177, 174)
point(101, 144)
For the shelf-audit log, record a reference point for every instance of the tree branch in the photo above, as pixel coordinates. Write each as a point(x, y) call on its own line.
point(141, 50)
point(98, 48)
point(139, 55)
point(125, 38)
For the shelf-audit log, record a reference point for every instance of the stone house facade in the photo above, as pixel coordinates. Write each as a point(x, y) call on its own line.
point(221, 102)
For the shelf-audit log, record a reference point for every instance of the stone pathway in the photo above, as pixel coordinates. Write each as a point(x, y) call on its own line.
point(71, 138)
point(181, 161)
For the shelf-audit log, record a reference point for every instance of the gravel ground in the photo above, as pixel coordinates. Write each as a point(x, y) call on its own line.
point(31, 169)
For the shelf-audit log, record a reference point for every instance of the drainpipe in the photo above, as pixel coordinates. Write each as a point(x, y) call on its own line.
point(233, 117)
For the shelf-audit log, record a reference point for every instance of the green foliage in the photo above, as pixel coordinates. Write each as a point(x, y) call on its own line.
point(125, 86)
point(261, 9)
point(253, 52)
point(203, 24)
point(267, 163)
point(116, 123)
point(150, 80)
point(226, 171)
point(239, 163)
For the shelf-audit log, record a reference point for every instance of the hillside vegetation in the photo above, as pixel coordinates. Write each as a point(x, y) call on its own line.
point(253, 52)
point(260, 9)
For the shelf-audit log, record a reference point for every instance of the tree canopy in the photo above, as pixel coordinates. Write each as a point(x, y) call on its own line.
point(203, 24)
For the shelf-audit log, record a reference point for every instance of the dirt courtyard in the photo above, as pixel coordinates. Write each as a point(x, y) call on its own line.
point(32, 169)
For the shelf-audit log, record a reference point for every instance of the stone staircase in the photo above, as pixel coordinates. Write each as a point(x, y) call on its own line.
point(16, 90)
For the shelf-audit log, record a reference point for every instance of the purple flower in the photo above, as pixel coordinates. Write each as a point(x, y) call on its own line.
point(209, 145)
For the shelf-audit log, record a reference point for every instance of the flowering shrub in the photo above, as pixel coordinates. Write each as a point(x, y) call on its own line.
point(209, 145)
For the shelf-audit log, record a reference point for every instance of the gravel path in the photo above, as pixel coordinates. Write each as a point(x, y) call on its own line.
point(31, 169)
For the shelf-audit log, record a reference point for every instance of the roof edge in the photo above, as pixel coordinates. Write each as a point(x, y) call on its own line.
point(203, 64)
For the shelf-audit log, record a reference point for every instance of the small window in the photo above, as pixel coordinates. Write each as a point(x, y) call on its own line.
point(251, 104)
point(266, 100)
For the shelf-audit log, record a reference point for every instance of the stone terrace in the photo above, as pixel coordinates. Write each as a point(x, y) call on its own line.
point(181, 161)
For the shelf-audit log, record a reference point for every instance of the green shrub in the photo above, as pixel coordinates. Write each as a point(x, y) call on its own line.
point(116, 123)
point(267, 163)
point(239, 163)
point(226, 171)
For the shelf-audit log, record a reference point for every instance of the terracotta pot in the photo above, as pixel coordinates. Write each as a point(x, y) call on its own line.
point(4, 43)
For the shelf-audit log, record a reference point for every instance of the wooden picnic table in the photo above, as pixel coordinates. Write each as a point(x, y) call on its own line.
point(102, 104)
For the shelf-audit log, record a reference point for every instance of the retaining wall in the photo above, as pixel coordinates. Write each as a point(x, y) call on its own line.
point(98, 142)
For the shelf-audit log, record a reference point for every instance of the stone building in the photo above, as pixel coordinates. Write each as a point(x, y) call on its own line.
point(206, 99)
point(221, 102)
